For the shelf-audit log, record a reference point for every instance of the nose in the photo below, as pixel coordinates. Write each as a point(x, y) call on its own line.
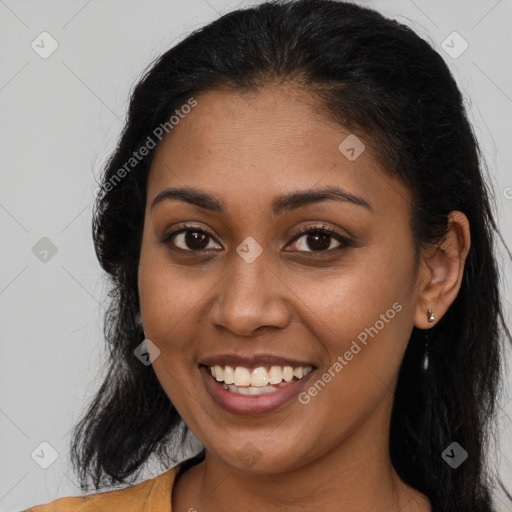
point(251, 297)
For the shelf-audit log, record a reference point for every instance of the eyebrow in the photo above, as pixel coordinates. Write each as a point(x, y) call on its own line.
point(281, 204)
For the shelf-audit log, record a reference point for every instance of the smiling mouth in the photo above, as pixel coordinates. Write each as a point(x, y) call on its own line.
point(259, 381)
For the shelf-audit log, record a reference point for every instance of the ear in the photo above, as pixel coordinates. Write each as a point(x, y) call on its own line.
point(441, 271)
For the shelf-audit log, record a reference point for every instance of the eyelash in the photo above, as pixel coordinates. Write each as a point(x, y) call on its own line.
point(321, 229)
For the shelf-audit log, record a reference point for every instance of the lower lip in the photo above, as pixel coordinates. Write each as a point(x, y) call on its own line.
point(251, 405)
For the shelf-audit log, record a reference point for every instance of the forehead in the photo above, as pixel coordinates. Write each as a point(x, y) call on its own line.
point(248, 147)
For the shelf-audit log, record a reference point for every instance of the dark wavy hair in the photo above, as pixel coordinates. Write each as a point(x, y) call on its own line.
point(381, 80)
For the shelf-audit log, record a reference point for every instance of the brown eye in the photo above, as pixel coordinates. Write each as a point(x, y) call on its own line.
point(319, 240)
point(190, 239)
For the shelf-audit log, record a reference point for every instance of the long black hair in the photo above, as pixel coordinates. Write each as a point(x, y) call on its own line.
point(379, 79)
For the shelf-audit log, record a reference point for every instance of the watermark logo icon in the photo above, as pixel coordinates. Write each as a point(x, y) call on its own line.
point(44, 250)
point(146, 352)
point(454, 45)
point(352, 147)
point(44, 45)
point(454, 455)
point(44, 455)
point(248, 455)
point(249, 249)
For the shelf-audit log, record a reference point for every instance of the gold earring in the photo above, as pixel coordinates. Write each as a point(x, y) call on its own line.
point(431, 316)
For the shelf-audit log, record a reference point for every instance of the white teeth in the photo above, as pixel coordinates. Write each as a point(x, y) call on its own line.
point(287, 373)
point(229, 375)
point(250, 390)
point(259, 378)
point(298, 372)
point(242, 376)
point(275, 375)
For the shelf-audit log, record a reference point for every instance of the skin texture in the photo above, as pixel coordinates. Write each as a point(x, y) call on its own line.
point(292, 301)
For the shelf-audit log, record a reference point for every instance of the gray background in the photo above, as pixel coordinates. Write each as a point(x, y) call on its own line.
point(60, 119)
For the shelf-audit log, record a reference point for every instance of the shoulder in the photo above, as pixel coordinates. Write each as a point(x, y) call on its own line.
point(154, 495)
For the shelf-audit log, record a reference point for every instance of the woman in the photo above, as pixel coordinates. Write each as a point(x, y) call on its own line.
point(296, 224)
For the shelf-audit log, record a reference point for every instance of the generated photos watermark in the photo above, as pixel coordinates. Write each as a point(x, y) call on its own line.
point(149, 144)
point(343, 360)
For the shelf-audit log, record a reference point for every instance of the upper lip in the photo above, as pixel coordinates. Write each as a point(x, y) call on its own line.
point(251, 362)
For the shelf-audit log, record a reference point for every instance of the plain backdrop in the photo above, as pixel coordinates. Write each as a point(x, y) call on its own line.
point(60, 119)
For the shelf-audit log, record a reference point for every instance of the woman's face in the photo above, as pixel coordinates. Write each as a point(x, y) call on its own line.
point(246, 288)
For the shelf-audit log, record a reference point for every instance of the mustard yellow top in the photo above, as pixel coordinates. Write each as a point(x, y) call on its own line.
point(149, 496)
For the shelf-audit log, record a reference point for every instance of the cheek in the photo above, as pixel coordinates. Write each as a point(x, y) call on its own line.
point(169, 297)
point(167, 306)
point(364, 315)
point(364, 344)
